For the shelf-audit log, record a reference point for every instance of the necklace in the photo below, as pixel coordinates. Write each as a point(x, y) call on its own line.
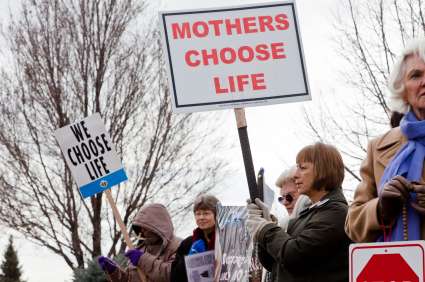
point(405, 227)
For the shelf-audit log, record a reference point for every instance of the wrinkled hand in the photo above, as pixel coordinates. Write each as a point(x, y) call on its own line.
point(198, 247)
point(419, 205)
point(107, 264)
point(256, 217)
point(395, 194)
point(134, 256)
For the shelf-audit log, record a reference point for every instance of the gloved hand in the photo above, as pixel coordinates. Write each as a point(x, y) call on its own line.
point(198, 247)
point(266, 211)
point(260, 208)
point(419, 205)
point(134, 256)
point(107, 264)
point(257, 214)
point(395, 194)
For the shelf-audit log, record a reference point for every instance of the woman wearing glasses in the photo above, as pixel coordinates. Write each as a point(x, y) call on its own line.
point(288, 191)
point(202, 239)
point(290, 197)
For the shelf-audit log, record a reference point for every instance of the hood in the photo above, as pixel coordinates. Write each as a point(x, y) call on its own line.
point(156, 218)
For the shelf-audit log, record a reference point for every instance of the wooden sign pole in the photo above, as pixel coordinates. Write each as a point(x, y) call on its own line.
point(122, 227)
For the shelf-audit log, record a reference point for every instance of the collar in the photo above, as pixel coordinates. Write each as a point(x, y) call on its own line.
point(199, 234)
point(334, 195)
point(319, 203)
point(388, 145)
point(390, 138)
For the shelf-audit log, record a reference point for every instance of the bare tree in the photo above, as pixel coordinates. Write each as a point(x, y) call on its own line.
point(369, 36)
point(67, 60)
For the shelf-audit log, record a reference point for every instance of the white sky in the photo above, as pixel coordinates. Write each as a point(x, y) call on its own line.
point(276, 132)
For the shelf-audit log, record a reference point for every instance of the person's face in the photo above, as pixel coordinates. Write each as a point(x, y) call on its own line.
point(288, 196)
point(304, 178)
point(414, 83)
point(205, 219)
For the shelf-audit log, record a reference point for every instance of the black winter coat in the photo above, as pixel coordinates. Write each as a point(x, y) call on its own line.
point(178, 267)
point(315, 247)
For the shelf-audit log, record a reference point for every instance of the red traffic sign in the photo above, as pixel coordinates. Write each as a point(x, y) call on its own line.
point(388, 262)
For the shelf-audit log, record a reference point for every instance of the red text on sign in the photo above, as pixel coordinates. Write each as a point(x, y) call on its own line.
point(229, 55)
point(235, 26)
point(239, 83)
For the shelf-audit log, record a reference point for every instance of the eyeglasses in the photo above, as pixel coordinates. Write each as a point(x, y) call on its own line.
point(203, 213)
point(288, 197)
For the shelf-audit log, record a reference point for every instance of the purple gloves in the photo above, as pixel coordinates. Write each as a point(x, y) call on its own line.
point(134, 256)
point(107, 264)
point(198, 247)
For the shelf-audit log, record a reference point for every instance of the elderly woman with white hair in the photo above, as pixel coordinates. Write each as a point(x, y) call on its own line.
point(389, 203)
point(290, 196)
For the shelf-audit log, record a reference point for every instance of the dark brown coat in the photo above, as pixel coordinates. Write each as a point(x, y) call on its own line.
point(156, 261)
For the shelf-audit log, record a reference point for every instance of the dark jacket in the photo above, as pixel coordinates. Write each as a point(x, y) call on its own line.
point(178, 267)
point(315, 247)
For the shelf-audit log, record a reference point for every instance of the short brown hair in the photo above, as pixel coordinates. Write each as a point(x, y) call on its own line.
point(205, 202)
point(327, 165)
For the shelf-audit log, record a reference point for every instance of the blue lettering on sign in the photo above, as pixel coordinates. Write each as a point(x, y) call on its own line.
point(104, 183)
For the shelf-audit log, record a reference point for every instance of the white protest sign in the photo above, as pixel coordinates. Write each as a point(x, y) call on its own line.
point(234, 57)
point(200, 267)
point(390, 261)
point(90, 155)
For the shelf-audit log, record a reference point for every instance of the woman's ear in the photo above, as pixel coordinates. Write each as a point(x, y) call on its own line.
point(404, 96)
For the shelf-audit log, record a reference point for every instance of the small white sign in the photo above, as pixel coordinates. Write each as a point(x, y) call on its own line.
point(200, 267)
point(234, 57)
point(90, 155)
point(390, 261)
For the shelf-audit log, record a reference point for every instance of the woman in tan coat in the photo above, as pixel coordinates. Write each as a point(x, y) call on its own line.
point(389, 203)
point(155, 252)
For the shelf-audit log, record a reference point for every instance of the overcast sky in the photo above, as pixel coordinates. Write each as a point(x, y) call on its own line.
point(276, 132)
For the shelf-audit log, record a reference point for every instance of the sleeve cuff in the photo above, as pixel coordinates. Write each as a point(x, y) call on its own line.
point(263, 231)
point(372, 211)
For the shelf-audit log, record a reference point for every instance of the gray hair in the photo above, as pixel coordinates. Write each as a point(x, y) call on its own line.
point(286, 176)
point(395, 81)
point(205, 202)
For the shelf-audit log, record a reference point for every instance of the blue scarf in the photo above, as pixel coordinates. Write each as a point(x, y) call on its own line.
point(408, 162)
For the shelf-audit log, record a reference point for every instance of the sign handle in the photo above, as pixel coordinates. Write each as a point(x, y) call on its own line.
point(123, 228)
point(246, 153)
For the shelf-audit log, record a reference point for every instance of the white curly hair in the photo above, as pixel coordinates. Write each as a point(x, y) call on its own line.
point(395, 81)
